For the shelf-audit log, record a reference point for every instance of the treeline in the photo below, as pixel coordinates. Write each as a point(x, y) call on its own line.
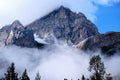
point(96, 67)
point(11, 74)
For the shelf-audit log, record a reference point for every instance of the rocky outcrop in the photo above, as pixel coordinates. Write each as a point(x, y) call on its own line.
point(3, 37)
point(26, 39)
point(16, 34)
point(109, 43)
point(8, 32)
point(65, 25)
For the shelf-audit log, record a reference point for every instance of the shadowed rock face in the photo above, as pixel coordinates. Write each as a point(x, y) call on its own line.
point(26, 39)
point(109, 43)
point(64, 24)
point(16, 34)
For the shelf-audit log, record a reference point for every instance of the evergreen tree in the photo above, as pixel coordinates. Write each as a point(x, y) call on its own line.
point(97, 67)
point(11, 74)
point(25, 76)
point(2, 79)
point(37, 77)
point(65, 79)
point(108, 77)
point(83, 78)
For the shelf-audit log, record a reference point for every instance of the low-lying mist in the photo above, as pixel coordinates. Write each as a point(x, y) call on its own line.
point(56, 62)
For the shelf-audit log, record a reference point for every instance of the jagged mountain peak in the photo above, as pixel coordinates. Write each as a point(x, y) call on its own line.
point(59, 11)
point(62, 8)
point(16, 24)
point(64, 24)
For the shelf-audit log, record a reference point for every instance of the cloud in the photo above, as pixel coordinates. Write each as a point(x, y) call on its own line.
point(29, 10)
point(55, 62)
point(106, 2)
point(84, 6)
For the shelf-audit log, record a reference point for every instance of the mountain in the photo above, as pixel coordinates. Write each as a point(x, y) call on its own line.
point(109, 43)
point(65, 25)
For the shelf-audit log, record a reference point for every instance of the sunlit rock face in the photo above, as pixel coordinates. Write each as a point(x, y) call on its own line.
point(109, 43)
point(8, 32)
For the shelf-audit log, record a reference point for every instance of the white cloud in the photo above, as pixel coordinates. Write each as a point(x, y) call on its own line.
point(28, 10)
point(106, 2)
point(56, 62)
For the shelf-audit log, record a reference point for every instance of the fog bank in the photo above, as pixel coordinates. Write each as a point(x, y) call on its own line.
point(55, 62)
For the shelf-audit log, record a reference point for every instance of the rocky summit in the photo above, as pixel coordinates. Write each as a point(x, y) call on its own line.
point(66, 25)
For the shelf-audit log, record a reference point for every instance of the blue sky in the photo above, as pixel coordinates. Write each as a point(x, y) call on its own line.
point(108, 18)
point(104, 13)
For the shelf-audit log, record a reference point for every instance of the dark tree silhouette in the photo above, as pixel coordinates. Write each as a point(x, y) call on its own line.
point(11, 74)
point(37, 77)
point(109, 77)
point(25, 76)
point(83, 77)
point(65, 79)
point(97, 67)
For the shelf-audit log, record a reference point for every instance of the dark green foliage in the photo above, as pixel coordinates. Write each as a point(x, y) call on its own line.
point(97, 67)
point(37, 77)
point(65, 79)
point(11, 74)
point(83, 78)
point(2, 79)
point(87, 79)
point(25, 76)
point(109, 77)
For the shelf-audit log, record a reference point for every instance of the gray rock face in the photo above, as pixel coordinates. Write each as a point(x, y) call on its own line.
point(26, 39)
point(109, 43)
point(9, 31)
point(64, 24)
point(17, 34)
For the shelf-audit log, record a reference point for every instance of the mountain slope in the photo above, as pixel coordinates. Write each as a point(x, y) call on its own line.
point(65, 25)
point(109, 43)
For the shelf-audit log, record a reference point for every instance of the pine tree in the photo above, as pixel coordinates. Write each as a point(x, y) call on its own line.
point(83, 78)
point(97, 66)
point(37, 77)
point(2, 79)
point(65, 79)
point(25, 76)
point(109, 77)
point(11, 74)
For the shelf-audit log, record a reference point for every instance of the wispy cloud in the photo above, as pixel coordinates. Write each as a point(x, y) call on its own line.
point(28, 10)
point(55, 62)
point(106, 2)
